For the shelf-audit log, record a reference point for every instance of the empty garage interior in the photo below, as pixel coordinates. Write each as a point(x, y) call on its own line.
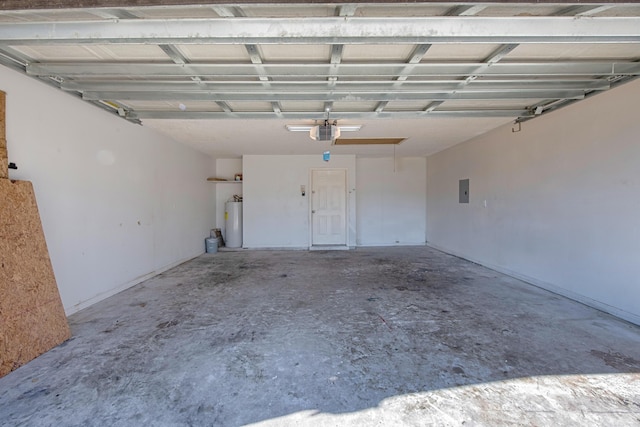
point(463, 249)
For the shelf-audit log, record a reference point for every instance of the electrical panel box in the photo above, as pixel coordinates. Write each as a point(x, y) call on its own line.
point(463, 196)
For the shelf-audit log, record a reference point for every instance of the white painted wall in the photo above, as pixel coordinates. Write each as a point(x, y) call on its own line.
point(275, 214)
point(226, 168)
point(563, 210)
point(118, 202)
point(391, 201)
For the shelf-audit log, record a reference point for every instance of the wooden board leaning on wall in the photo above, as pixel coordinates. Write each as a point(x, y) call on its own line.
point(32, 318)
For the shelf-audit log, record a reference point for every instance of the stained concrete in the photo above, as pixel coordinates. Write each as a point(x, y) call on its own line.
point(379, 336)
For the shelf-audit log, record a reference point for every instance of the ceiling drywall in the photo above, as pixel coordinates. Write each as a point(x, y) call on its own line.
point(227, 78)
point(233, 138)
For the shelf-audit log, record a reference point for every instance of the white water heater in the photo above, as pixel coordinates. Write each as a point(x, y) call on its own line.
point(233, 224)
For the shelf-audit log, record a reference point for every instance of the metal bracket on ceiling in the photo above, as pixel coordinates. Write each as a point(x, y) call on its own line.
point(57, 79)
point(517, 126)
point(327, 112)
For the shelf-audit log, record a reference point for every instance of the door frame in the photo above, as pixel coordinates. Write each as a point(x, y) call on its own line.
point(346, 207)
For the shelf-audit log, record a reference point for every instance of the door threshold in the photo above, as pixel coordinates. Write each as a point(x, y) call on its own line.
point(329, 248)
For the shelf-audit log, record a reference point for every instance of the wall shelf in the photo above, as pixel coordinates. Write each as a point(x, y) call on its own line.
point(224, 182)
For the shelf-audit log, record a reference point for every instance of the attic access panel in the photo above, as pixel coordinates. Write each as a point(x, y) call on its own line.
point(368, 141)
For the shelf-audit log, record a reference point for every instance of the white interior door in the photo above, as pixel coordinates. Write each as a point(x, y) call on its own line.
point(329, 207)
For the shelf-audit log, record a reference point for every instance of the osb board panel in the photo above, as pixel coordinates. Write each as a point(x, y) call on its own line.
point(4, 162)
point(4, 159)
point(32, 319)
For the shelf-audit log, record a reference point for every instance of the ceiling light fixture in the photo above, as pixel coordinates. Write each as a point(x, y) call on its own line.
point(307, 128)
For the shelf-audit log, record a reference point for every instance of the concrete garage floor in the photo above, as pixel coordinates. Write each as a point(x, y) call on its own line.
point(373, 336)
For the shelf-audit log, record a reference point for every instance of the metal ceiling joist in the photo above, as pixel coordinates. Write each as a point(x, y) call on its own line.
point(336, 53)
point(146, 70)
point(500, 53)
point(472, 76)
point(377, 86)
point(114, 13)
point(473, 10)
point(254, 53)
point(13, 59)
point(208, 115)
point(228, 11)
point(583, 10)
point(329, 30)
point(595, 9)
point(336, 58)
point(346, 9)
point(416, 56)
point(225, 107)
point(174, 53)
point(256, 59)
point(344, 86)
point(66, 4)
point(553, 105)
point(432, 106)
point(418, 53)
point(335, 96)
point(466, 10)
point(381, 106)
point(178, 58)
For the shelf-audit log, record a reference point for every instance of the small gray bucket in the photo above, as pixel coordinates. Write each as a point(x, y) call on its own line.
point(211, 244)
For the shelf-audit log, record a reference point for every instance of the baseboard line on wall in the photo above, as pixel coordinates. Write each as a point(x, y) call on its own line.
point(276, 248)
point(93, 300)
point(606, 308)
